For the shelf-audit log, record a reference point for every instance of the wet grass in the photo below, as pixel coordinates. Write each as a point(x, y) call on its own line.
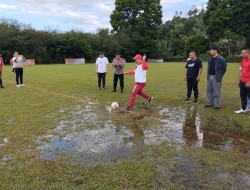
point(52, 93)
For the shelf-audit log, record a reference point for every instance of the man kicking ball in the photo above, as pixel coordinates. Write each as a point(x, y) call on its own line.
point(140, 73)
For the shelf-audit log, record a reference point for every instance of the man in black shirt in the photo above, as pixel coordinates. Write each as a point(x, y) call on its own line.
point(217, 67)
point(192, 76)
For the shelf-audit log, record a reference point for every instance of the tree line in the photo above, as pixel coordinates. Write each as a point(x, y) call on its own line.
point(137, 28)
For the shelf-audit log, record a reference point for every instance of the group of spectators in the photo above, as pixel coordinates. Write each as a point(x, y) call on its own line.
point(217, 67)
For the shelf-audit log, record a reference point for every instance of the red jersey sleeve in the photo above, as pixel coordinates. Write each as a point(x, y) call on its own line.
point(144, 66)
point(132, 72)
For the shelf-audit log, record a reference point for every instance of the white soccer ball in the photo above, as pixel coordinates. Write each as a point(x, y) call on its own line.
point(115, 105)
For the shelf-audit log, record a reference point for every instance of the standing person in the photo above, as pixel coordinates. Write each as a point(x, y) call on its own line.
point(144, 57)
point(192, 76)
point(118, 63)
point(18, 62)
point(217, 67)
point(1, 70)
point(101, 70)
point(244, 78)
point(140, 73)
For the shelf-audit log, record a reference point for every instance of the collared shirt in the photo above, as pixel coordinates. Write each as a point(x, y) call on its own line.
point(118, 64)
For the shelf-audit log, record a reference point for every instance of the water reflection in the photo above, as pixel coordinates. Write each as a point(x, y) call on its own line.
point(90, 139)
point(192, 133)
point(195, 135)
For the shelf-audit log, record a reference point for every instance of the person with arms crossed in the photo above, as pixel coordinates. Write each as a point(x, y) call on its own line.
point(140, 73)
point(217, 67)
point(1, 71)
point(101, 70)
point(18, 62)
point(118, 63)
point(192, 76)
point(244, 79)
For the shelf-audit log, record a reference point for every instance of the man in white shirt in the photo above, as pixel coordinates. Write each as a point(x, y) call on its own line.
point(101, 69)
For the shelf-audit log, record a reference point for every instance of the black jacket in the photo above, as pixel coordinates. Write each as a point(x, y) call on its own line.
point(220, 67)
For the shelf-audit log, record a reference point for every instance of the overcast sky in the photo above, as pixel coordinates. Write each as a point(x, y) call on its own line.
point(84, 15)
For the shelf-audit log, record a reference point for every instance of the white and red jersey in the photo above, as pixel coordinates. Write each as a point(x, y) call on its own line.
point(140, 72)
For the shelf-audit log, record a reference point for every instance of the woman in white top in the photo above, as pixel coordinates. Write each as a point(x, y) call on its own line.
point(18, 62)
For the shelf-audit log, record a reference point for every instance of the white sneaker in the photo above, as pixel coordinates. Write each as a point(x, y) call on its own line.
point(18, 86)
point(240, 111)
point(23, 85)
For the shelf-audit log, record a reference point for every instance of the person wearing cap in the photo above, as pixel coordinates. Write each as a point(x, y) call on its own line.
point(244, 78)
point(101, 70)
point(1, 69)
point(18, 62)
point(118, 63)
point(140, 73)
point(217, 67)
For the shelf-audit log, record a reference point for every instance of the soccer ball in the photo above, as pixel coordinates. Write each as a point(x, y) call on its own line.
point(115, 105)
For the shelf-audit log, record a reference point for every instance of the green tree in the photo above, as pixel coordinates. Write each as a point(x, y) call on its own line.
point(139, 19)
point(228, 18)
point(216, 19)
point(198, 43)
point(239, 18)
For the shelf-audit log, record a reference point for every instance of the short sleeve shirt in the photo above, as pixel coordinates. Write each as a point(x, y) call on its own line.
point(102, 63)
point(193, 68)
point(245, 72)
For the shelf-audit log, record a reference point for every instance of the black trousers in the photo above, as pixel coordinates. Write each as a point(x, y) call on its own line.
point(244, 92)
point(19, 75)
point(101, 77)
point(192, 84)
point(121, 79)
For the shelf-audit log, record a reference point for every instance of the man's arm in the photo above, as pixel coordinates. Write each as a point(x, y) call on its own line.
point(224, 63)
point(132, 72)
point(114, 63)
point(123, 63)
point(96, 68)
point(185, 77)
point(199, 75)
point(240, 73)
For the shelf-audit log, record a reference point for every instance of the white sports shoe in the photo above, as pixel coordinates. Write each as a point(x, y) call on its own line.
point(18, 86)
point(23, 85)
point(240, 111)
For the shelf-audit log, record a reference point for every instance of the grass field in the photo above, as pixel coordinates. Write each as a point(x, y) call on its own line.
point(56, 132)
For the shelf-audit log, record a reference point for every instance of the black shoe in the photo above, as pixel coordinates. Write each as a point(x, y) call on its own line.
point(187, 100)
point(195, 101)
point(113, 91)
point(208, 106)
point(150, 99)
point(217, 108)
point(121, 91)
point(2, 86)
point(127, 108)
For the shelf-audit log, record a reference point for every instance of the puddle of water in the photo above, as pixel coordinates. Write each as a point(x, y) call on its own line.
point(90, 139)
point(184, 127)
